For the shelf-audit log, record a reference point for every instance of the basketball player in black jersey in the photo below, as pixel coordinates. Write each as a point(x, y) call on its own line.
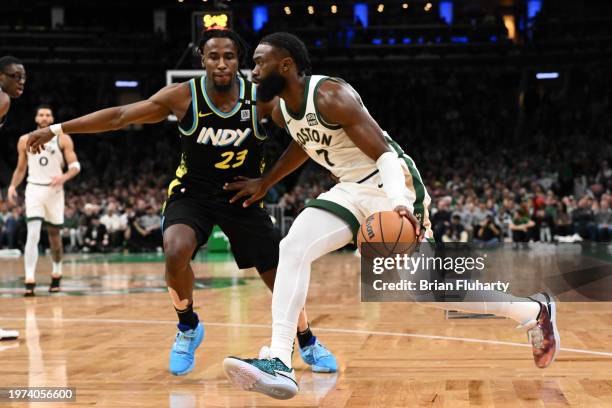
point(12, 85)
point(220, 140)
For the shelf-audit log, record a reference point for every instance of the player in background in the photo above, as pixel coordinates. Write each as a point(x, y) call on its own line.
point(44, 196)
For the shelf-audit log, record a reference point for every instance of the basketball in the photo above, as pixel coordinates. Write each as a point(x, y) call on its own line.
point(394, 232)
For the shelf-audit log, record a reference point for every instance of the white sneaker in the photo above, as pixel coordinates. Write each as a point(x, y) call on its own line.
point(264, 375)
point(9, 334)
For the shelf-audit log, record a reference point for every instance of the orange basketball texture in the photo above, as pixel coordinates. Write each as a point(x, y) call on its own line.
point(387, 227)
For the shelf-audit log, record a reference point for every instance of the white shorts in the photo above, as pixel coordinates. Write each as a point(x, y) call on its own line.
point(354, 202)
point(45, 203)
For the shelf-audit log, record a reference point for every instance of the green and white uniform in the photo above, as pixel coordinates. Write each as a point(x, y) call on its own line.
point(42, 201)
point(359, 192)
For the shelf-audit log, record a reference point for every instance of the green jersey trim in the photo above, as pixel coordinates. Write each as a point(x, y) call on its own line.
point(419, 187)
point(28, 219)
point(194, 108)
point(300, 115)
point(212, 106)
point(339, 211)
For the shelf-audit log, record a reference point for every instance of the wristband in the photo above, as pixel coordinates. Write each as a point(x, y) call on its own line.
point(56, 129)
point(394, 181)
point(75, 165)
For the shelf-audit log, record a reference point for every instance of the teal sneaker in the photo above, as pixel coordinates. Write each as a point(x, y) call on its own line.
point(267, 376)
point(182, 356)
point(319, 358)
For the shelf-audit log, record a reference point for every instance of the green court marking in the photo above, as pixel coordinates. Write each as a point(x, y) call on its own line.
point(94, 286)
point(597, 251)
point(201, 257)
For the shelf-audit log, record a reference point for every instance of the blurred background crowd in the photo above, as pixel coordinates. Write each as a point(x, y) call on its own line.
point(506, 153)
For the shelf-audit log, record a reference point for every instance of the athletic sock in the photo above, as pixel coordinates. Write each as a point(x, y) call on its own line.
point(306, 338)
point(57, 269)
point(187, 318)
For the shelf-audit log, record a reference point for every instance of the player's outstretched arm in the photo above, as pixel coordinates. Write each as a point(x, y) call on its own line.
point(339, 103)
point(256, 189)
point(74, 167)
point(20, 170)
point(174, 98)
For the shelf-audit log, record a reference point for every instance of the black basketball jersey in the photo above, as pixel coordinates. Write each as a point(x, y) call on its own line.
point(218, 146)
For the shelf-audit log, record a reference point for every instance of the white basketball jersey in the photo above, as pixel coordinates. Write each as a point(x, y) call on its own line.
point(42, 167)
point(325, 143)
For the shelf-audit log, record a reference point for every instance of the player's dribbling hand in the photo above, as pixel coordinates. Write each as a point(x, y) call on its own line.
point(37, 139)
point(253, 188)
point(404, 212)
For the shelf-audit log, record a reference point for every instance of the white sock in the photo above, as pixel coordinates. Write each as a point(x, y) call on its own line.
point(313, 234)
point(30, 255)
point(57, 269)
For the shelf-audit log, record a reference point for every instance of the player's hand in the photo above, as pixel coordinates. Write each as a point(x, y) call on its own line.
point(57, 181)
point(253, 189)
point(404, 212)
point(12, 195)
point(38, 138)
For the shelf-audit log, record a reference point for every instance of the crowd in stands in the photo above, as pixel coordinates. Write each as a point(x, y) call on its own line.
point(504, 156)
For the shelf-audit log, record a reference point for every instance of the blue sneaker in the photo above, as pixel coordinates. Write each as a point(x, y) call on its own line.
point(320, 358)
point(182, 359)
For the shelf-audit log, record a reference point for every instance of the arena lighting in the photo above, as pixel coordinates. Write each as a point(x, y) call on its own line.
point(334, 9)
point(381, 8)
point(547, 75)
point(428, 7)
point(126, 84)
point(260, 17)
point(311, 10)
point(405, 6)
point(360, 11)
point(287, 10)
point(446, 11)
point(533, 8)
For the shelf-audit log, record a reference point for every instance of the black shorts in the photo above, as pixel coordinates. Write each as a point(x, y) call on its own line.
point(253, 238)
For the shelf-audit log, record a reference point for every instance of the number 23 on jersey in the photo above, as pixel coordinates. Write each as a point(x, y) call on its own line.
point(232, 159)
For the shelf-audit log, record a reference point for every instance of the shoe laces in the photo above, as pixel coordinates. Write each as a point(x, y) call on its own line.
point(319, 351)
point(183, 340)
point(536, 336)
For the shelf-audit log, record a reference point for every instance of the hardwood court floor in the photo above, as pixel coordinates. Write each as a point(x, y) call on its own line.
point(110, 338)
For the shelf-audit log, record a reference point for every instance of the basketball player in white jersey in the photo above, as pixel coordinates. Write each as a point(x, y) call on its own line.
point(44, 196)
point(329, 124)
point(12, 85)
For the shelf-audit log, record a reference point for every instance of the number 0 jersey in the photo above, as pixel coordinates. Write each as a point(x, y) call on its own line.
point(325, 143)
point(43, 166)
point(218, 146)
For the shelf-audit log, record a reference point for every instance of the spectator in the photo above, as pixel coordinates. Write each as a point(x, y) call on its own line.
point(603, 220)
point(543, 225)
point(71, 233)
point(455, 232)
point(583, 219)
point(96, 238)
point(521, 227)
point(115, 225)
point(488, 233)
